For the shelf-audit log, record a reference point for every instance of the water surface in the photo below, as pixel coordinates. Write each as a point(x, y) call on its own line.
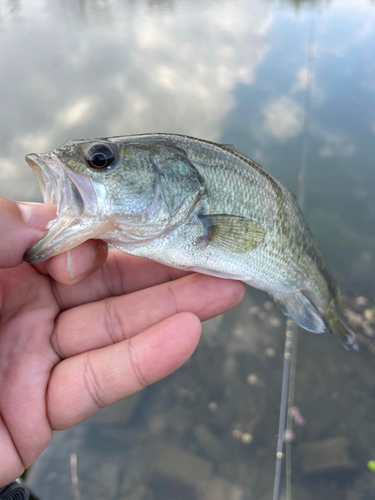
point(231, 71)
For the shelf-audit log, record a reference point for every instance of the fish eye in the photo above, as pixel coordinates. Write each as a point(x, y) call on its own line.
point(99, 156)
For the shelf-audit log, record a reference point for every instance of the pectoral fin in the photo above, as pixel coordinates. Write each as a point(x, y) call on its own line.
point(301, 310)
point(231, 233)
point(65, 234)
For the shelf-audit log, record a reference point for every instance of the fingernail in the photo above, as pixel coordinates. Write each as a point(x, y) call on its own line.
point(78, 262)
point(36, 215)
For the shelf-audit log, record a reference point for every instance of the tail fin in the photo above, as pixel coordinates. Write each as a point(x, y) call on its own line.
point(337, 325)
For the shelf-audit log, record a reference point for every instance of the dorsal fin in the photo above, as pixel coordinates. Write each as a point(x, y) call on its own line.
point(230, 146)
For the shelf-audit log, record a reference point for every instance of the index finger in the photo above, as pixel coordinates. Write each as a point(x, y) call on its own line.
point(121, 274)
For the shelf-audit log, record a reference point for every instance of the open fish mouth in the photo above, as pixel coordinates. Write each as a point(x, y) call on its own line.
point(56, 185)
point(75, 221)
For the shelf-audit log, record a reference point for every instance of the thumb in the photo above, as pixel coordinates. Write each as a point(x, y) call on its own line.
point(21, 225)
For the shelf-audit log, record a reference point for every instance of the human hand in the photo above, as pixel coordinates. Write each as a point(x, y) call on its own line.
point(82, 331)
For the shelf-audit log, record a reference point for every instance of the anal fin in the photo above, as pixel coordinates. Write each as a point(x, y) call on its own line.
point(301, 310)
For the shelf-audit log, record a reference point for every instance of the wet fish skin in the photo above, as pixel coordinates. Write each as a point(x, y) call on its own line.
point(191, 204)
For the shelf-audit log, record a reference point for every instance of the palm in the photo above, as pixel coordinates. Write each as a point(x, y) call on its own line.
point(67, 351)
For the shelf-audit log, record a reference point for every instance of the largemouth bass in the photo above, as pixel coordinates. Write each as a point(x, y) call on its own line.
point(194, 205)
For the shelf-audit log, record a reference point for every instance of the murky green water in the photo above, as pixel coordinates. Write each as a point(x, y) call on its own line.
point(232, 71)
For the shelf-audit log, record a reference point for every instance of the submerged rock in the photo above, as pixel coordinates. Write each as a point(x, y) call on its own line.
point(209, 442)
point(329, 454)
point(221, 489)
point(184, 466)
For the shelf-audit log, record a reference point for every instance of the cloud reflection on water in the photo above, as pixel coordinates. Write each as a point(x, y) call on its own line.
point(283, 118)
point(132, 73)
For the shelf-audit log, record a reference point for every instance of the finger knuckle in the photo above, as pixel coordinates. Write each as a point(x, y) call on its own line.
point(92, 383)
point(113, 322)
point(136, 366)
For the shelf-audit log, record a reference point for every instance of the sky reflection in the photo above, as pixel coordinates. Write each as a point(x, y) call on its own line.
point(233, 71)
point(132, 72)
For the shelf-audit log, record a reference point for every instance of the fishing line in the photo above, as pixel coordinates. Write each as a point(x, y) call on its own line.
point(289, 421)
point(283, 406)
point(291, 334)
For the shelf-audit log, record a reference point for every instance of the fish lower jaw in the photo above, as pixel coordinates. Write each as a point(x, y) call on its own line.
point(66, 234)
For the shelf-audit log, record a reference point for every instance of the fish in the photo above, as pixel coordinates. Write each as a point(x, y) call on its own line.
point(190, 204)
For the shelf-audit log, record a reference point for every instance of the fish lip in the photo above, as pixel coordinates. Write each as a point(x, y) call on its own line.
point(57, 186)
point(44, 177)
